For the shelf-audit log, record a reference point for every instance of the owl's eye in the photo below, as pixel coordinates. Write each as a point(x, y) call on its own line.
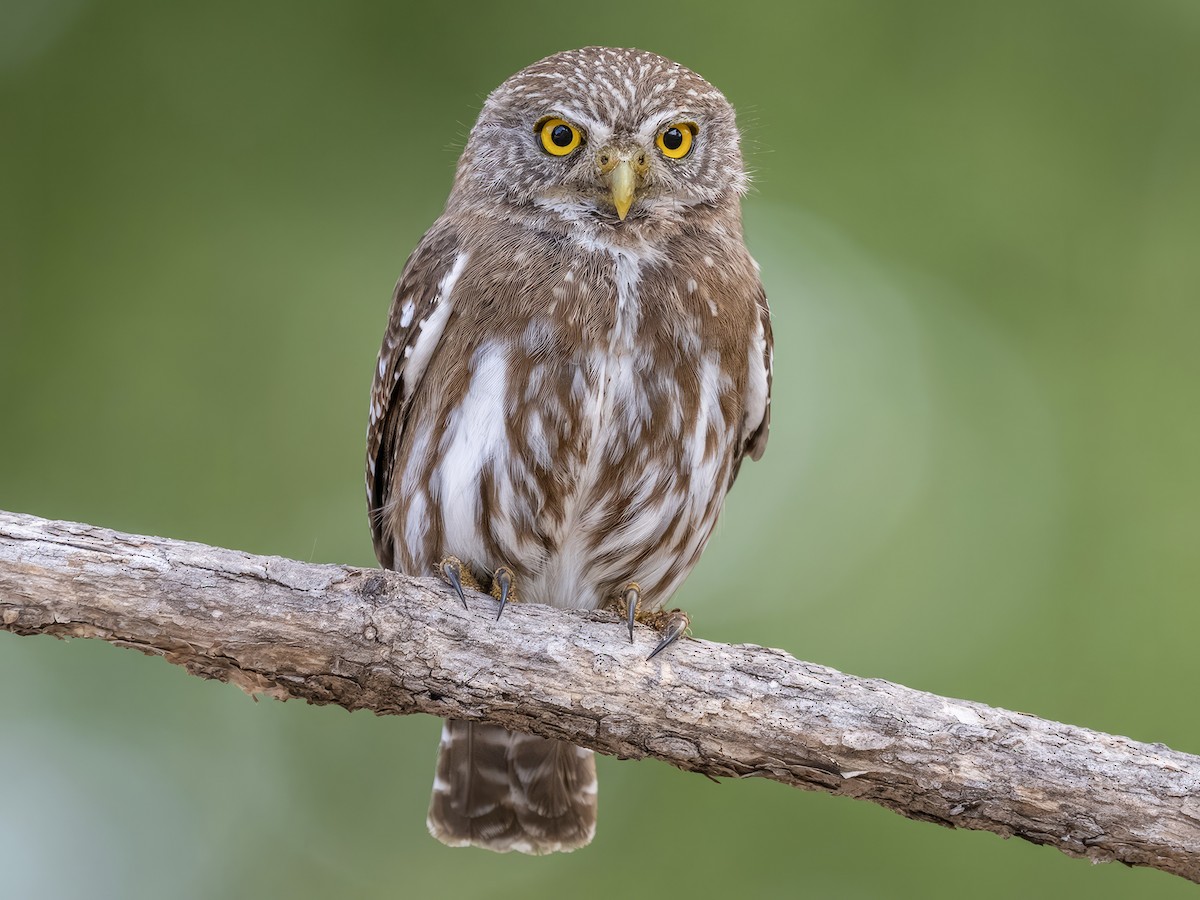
point(558, 137)
point(675, 141)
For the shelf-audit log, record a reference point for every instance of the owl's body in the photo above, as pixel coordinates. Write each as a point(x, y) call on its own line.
point(567, 389)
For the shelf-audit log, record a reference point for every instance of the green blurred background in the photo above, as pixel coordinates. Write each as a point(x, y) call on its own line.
point(979, 224)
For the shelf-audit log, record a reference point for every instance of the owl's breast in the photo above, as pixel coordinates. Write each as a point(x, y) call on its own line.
point(621, 447)
point(585, 445)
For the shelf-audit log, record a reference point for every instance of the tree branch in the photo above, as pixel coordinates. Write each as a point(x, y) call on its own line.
point(369, 639)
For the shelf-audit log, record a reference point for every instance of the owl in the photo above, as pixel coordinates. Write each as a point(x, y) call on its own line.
point(576, 362)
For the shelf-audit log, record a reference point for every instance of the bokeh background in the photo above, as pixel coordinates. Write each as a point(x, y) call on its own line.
point(979, 225)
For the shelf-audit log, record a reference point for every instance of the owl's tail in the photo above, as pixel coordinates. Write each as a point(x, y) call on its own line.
point(506, 791)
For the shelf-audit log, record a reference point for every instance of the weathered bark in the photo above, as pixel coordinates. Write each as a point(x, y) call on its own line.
point(367, 639)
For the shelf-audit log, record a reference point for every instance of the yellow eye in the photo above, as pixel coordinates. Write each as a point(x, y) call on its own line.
point(675, 141)
point(558, 137)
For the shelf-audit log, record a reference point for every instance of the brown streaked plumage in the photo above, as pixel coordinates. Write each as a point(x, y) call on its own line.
point(576, 362)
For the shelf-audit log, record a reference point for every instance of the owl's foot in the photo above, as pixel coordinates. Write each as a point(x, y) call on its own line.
point(671, 624)
point(454, 573)
point(503, 588)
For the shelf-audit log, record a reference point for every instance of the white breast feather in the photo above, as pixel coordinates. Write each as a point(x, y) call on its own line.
point(476, 436)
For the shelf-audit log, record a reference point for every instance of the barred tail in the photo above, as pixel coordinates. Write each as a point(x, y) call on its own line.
point(506, 791)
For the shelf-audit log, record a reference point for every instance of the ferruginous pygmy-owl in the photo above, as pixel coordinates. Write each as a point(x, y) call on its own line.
point(577, 359)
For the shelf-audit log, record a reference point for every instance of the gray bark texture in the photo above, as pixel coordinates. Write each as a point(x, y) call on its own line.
point(370, 639)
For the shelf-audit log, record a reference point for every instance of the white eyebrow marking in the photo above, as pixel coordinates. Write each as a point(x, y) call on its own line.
point(578, 117)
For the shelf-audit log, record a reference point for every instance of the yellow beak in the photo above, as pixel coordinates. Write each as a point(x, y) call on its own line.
point(622, 181)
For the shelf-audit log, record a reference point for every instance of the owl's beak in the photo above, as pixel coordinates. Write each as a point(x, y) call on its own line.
point(623, 168)
point(623, 183)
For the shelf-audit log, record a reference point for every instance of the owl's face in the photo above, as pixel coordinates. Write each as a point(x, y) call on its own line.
point(615, 139)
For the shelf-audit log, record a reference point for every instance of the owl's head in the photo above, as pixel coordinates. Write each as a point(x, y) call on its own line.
point(608, 137)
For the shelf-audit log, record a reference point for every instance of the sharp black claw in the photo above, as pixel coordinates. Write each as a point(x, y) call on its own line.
point(450, 570)
point(676, 626)
point(632, 595)
point(505, 582)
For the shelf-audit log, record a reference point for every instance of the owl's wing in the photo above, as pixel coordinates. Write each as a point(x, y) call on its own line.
point(420, 310)
point(757, 422)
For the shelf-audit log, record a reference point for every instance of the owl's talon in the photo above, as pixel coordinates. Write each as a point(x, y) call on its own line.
point(672, 625)
point(456, 574)
point(633, 599)
point(502, 588)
